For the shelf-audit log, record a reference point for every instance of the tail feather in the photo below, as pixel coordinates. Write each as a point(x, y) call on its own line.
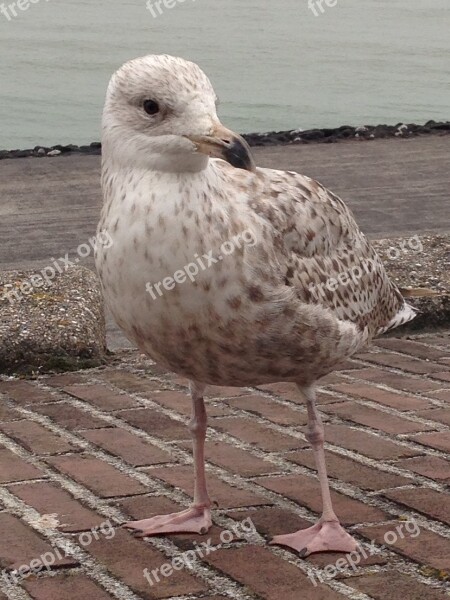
point(405, 315)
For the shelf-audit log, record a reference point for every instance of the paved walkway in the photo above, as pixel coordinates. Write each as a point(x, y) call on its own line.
point(49, 206)
point(92, 449)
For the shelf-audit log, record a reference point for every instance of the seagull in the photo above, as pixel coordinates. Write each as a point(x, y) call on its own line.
point(285, 285)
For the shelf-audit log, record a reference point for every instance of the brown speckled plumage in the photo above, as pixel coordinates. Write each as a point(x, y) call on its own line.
point(291, 286)
point(259, 315)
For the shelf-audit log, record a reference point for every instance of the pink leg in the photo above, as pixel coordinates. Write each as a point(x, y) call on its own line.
point(197, 518)
point(327, 534)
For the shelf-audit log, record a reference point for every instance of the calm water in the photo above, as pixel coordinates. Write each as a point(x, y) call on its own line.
point(274, 64)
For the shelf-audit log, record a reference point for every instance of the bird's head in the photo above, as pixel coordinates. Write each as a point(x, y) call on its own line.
point(160, 113)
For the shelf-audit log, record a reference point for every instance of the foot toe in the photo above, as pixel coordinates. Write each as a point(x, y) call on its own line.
point(328, 536)
point(194, 520)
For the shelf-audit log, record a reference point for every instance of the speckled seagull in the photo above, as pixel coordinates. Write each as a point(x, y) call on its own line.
point(178, 186)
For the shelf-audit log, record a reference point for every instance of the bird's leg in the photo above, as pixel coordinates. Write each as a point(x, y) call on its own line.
point(197, 518)
point(327, 534)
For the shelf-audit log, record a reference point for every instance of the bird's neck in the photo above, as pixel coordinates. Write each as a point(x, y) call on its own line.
point(135, 154)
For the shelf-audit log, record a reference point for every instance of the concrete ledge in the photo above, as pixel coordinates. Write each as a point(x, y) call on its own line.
point(52, 323)
point(58, 324)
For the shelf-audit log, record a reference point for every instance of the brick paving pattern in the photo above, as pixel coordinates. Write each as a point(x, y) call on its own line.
point(80, 453)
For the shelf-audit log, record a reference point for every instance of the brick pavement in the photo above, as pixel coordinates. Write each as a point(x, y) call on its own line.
point(82, 452)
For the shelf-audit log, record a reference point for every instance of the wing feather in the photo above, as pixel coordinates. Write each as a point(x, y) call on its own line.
point(326, 257)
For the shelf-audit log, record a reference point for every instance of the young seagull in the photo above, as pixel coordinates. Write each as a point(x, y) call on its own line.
point(308, 292)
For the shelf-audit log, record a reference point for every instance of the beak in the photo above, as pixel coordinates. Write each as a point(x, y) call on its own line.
point(227, 145)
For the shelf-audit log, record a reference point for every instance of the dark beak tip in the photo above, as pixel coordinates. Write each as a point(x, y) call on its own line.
point(239, 155)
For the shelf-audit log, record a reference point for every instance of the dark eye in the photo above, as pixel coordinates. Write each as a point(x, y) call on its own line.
point(151, 107)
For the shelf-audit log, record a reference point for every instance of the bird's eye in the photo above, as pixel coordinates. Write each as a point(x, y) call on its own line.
point(151, 107)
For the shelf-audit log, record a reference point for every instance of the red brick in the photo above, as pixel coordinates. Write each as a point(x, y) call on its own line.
point(144, 507)
point(427, 548)
point(397, 361)
point(20, 545)
point(131, 382)
point(349, 365)
point(268, 575)
point(439, 440)
point(224, 494)
point(69, 586)
point(98, 476)
point(306, 491)
point(428, 502)
point(234, 459)
point(442, 376)
point(346, 469)
point(440, 415)
point(186, 541)
point(323, 559)
point(48, 498)
point(70, 417)
point(126, 558)
point(178, 401)
point(331, 379)
point(397, 381)
point(35, 438)
point(133, 449)
point(156, 423)
point(438, 339)
point(286, 390)
point(441, 395)
point(271, 521)
point(100, 396)
point(153, 369)
point(8, 413)
point(429, 466)
point(393, 585)
point(269, 409)
point(365, 443)
point(257, 434)
point(25, 393)
point(179, 381)
point(376, 419)
point(218, 391)
point(181, 403)
point(289, 391)
point(14, 468)
point(369, 392)
point(58, 381)
point(411, 347)
point(323, 398)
